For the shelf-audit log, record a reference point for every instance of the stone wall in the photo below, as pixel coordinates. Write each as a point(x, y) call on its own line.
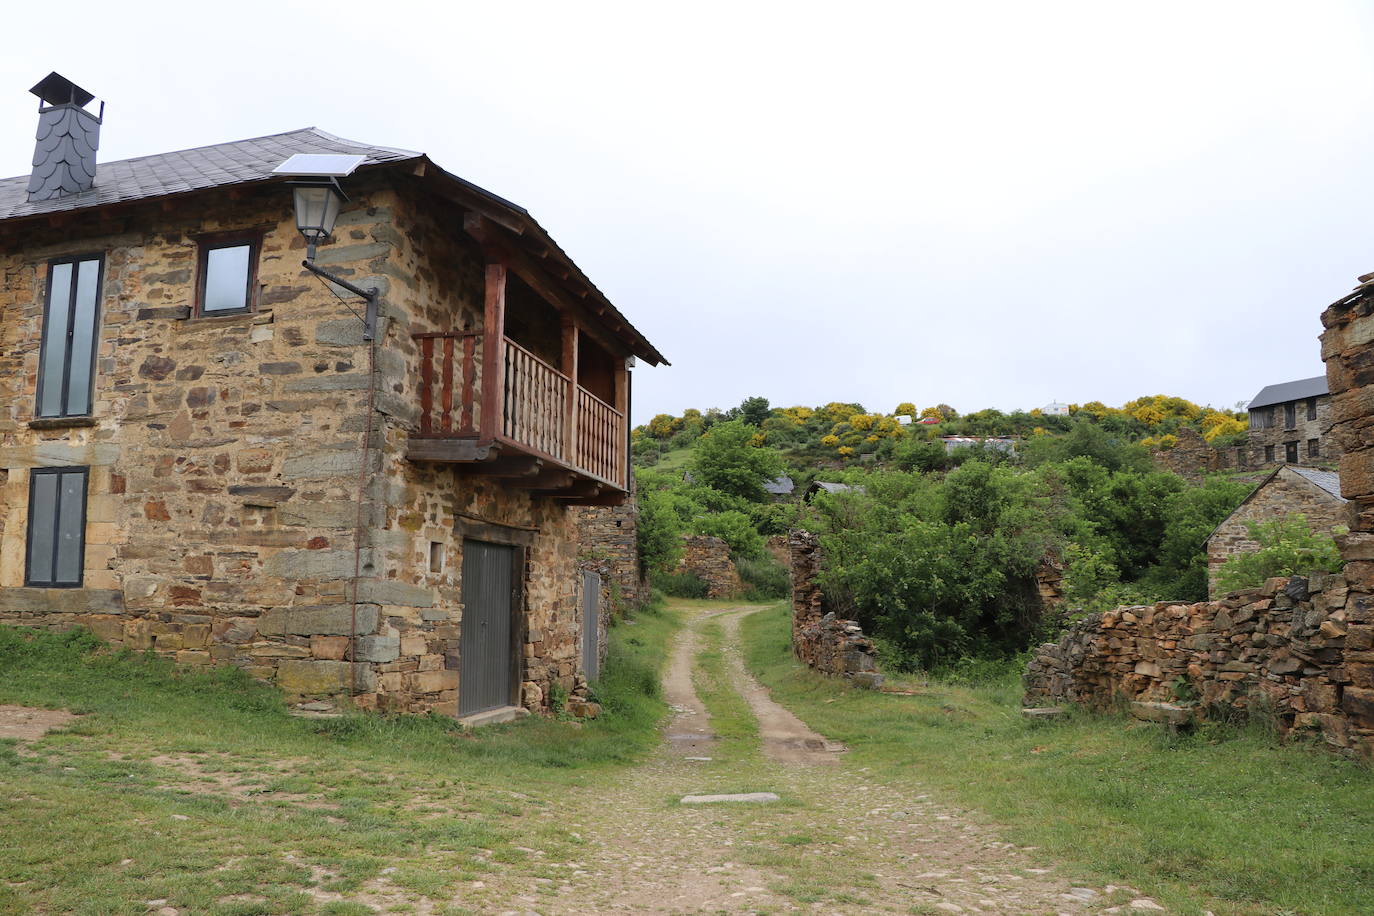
point(708, 558)
point(226, 524)
point(820, 639)
point(607, 535)
point(1284, 493)
point(1302, 647)
point(1328, 447)
point(1192, 456)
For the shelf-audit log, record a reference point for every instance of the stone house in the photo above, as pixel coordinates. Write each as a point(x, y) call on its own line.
point(1314, 493)
point(1290, 423)
point(206, 451)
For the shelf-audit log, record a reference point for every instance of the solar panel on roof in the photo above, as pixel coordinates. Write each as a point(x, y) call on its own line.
point(319, 165)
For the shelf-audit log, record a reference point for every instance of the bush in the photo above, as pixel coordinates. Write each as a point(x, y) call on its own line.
point(764, 577)
point(680, 584)
point(1287, 547)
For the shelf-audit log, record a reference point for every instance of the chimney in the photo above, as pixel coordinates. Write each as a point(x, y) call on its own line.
point(68, 136)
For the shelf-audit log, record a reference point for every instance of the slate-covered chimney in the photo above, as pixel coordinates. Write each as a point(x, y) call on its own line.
point(68, 136)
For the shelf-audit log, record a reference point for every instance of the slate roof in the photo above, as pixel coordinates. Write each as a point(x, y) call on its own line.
point(1290, 391)
point(780, 486)
point(196, 169)
point(252, 160)
point(1329, 481)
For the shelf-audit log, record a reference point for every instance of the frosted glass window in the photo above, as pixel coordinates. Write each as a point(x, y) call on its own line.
point(57, 527)
point(70, 327)
point(227, 272)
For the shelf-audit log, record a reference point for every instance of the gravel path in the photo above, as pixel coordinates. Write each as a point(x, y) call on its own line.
point(838, 842)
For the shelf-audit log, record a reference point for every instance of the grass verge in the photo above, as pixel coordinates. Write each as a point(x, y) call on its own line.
point(198, 789)
point(1224, 819)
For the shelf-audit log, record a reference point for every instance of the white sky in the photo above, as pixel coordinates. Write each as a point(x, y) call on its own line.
point(977, 203)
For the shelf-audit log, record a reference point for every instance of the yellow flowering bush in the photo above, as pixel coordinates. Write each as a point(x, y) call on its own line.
point(1228, 426)
point(862, 421)
point(906, 408)
point(830, 441)
point(846, 451)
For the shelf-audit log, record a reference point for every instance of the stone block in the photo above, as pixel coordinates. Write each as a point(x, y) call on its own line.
point(313, 677)
point(332, 648)
point(389, 591)
point(1358, 704)
point(329, 620)
point(294, 565)
point(61, 600)
point(233, 630)
point(433, 681)
point(414, 645)
point(376, 648)
point(324, 463)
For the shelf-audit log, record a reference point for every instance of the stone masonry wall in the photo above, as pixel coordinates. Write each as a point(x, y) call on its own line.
point(1329, 447)
point(1294, 644)
point(1283, 494)
point(820, 639)
point(608, 535)
point(1193, 457)
point(1304, 645)
point(226, 456)
point(708, 558)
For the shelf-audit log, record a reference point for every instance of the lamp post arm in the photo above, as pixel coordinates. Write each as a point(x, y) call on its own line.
point(370, 321)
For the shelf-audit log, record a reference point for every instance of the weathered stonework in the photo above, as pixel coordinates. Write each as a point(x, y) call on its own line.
point(245, 507)
point(1285, 492)
point(1192, 456)
point(1300, 646)
point(708, 558)
point(820, 639)
point(1261, 441)
point(608, 535)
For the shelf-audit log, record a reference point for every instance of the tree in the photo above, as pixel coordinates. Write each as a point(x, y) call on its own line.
point(725, 460)
point(754, 410)
point(1287, 547)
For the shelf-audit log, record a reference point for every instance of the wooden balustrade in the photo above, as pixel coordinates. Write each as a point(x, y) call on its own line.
point(441, 359)
point(600, 438)
point(533, 411)
point(535, 402)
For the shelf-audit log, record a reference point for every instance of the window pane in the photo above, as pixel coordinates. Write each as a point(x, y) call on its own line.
point(55, 341)
point(226, 278)
point(42, 521)
point(83, 338)
point(70, 533)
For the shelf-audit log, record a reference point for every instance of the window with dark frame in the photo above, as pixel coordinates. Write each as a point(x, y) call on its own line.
point(227, 273)
point(1290, 415)
point(71, 321)
point(1269, 453)
point(1290, 452)
point(57, 527)
point(1311, 408)
point(1313, 448)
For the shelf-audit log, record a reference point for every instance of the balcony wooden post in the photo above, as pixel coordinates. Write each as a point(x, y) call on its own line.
point(569, 368)
point(493, 352)
point(622, 404)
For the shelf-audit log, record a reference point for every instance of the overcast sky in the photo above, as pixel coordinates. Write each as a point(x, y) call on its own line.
point(983, 204)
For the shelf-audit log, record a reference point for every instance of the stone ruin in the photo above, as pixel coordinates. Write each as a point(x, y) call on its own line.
point(1304, 647)
point(708, 558)
point(822, 640)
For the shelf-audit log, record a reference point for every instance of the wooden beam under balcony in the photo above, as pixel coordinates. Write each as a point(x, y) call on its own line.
point(514, 467)
point(450, 450)
point(578, 489)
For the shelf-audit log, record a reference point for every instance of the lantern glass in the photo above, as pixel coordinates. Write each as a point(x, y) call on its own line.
point(317, 209)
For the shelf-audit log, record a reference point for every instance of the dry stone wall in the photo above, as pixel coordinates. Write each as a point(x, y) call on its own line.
point(820, 639)
point(1298, 645)
point(608, 537)
point(1303, 646)
point(708, 558)
point(1192, 456)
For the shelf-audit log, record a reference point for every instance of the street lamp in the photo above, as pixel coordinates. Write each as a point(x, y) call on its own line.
point(318, 199)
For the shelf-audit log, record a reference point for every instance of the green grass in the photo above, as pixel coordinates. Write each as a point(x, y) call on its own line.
point(731, 719)
point(199, 789)
point(1223, 819)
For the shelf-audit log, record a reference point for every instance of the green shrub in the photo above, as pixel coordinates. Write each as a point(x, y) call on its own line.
point(764, 577)
point(1287, 547)
point(680, 584)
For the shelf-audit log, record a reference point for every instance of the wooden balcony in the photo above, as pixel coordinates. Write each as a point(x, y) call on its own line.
point(489, 406)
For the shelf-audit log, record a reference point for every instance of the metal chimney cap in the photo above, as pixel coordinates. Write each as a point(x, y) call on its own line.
point(56, 89)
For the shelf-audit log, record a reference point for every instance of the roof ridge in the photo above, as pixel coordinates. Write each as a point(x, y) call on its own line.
point(337, 139)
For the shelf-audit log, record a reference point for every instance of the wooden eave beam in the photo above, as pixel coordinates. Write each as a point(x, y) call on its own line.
point(510, 466)
point(538, 279)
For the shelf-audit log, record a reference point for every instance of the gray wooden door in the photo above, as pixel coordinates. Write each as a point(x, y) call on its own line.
point(591, 624)
point(486, 673)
